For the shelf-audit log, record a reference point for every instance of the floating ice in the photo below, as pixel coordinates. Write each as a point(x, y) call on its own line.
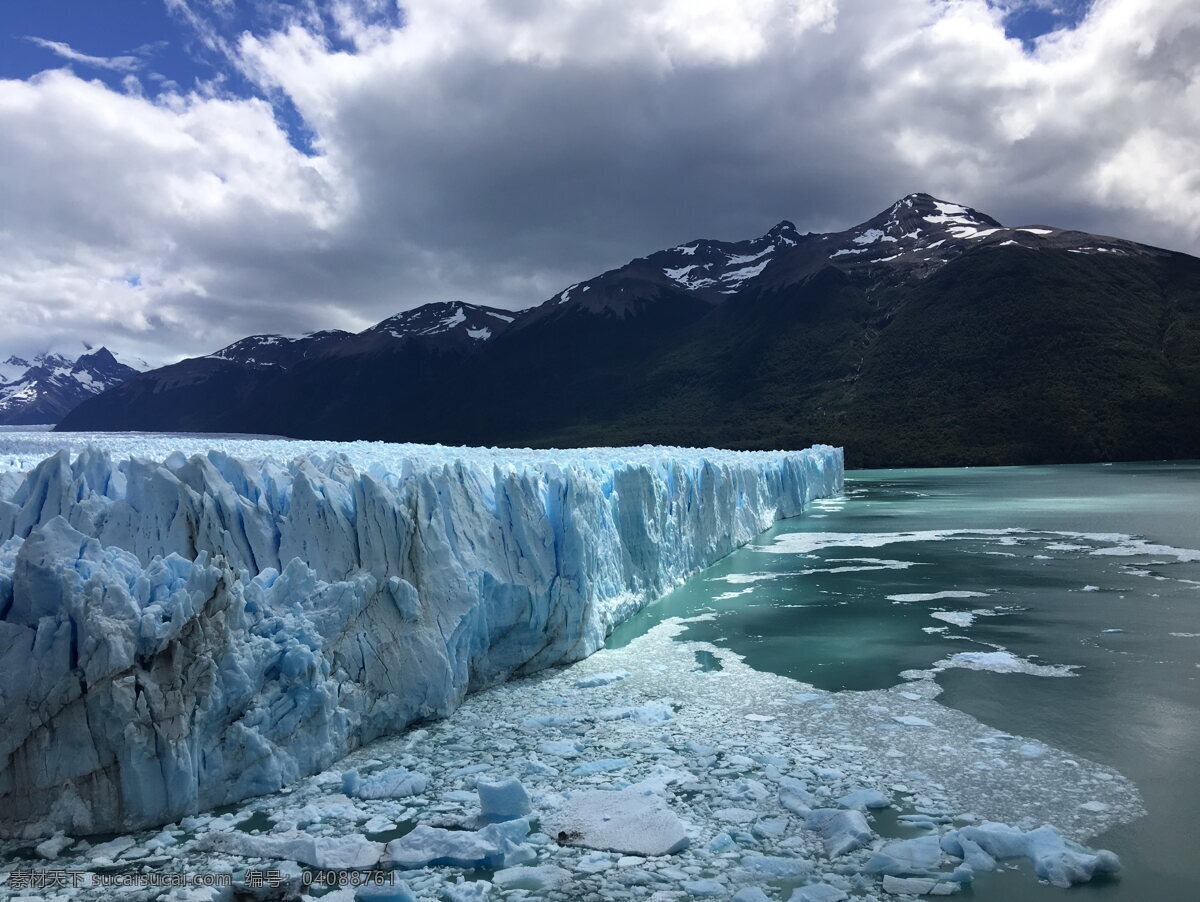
point(1003, 661)
point(818, 892)
point(495, 846)
point(1054, 859)
point(919, 886)
point(535, 879)
point(328, 852)
point(908, 857)
point(936, 596)
point(631, 820)
point(911, 720)
point(601, 679)
point(958, 618)
point(842, 830)
point(502, 799)
point(813, 756)
point(391, 784)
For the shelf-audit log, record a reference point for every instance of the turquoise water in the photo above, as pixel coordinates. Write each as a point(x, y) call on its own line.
point(817, 609)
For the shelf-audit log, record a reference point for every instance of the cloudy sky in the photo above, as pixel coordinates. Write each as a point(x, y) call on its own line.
point(175, 174)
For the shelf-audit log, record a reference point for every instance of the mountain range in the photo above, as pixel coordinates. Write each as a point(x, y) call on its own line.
point(42, 390)
point(928, 335)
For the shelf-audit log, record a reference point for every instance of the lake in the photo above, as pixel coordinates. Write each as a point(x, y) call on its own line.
point(1065, 607)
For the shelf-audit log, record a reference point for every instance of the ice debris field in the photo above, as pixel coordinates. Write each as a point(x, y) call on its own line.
point(215, 645)
point(635, 775)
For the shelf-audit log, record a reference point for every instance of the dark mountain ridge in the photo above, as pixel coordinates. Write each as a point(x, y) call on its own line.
point(929, 334)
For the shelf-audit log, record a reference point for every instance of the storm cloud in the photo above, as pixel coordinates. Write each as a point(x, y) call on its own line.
point(497, 152)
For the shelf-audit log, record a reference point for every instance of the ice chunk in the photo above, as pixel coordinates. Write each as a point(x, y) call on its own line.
point(750, 894)
point(1054, 859)
point(747, 790)
point(631, 820)
point(561, 748)
point(469, 891)
point(818, 892)
point(958, 618)
point(54, 846)
point(916, 856)
point(774, 867)
point(841, 830)
point(1003, 661)
point(911, 720)
point(920, 886)
point(495, 846)
point(502, 800)
point(704, 889)
point(601, 679)
point(600, 766)
point(861, 799)
point(536, 879)
point(936, 596)
point(735, 815)
point(328, 852)
point(390, 784)
point(383, 892)
point(1065, 864)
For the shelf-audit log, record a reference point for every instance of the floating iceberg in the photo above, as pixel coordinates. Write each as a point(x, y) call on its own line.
point(633, 820)
point(180, 632)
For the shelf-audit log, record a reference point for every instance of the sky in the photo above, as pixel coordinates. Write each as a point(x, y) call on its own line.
point(177, 174)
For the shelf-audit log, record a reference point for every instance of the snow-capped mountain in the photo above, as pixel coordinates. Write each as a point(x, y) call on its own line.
point(922, 233)
point(450, 320)
point(442, 323)
point(706, 268)
point(929, 334)
point(914, 237)
point(45, 389)
point(278, 350)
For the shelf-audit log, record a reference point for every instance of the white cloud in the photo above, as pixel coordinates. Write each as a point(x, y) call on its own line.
point(67, 52)
point(497, 152)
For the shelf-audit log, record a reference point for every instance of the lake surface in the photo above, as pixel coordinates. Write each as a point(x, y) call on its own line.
point(1081, 584)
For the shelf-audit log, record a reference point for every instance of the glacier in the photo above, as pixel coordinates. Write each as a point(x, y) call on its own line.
point(189, 621)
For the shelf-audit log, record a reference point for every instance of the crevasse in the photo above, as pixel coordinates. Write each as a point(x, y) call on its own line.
point(178, 632)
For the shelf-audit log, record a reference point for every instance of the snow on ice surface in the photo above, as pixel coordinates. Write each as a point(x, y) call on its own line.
point(212, 618)
point(788, 778)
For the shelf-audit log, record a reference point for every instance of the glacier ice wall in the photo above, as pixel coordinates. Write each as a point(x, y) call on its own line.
point(179, 632)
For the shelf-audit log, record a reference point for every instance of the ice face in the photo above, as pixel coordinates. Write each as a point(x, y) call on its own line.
point(187, 631)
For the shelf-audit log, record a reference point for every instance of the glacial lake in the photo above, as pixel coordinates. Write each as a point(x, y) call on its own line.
point(1091, 568)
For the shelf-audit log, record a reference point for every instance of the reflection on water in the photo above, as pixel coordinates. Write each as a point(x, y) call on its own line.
point(999, 577)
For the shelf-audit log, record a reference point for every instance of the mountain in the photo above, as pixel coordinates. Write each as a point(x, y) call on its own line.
point(246, 381)
point(929, 334)
point(44, 389)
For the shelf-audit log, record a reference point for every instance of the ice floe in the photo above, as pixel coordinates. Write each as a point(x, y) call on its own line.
point(936, 596)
